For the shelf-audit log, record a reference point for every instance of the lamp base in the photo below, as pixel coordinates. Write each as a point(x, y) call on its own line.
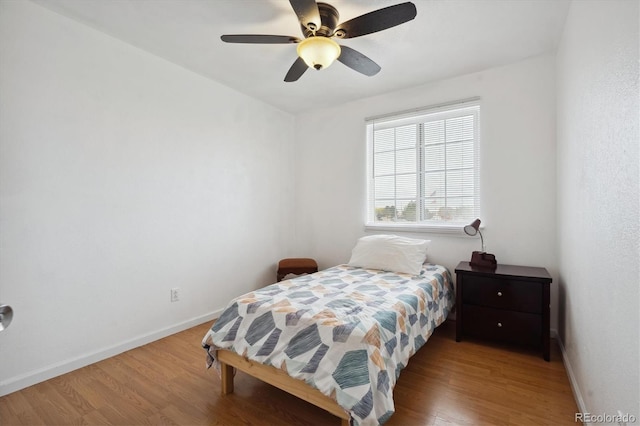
point(481, 259)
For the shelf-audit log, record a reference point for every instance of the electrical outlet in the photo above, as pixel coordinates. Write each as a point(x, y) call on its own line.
point(175, 294)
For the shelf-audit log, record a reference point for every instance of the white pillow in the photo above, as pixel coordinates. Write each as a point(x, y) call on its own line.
point(390, 253)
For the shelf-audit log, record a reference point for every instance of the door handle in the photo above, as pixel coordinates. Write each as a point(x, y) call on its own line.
point(6, 315)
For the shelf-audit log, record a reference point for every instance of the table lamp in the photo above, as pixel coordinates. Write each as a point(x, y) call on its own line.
point(480, 259)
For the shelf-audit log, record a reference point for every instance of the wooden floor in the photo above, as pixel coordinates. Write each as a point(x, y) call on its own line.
point(165, 382)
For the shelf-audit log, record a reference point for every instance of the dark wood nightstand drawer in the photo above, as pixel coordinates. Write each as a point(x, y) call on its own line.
point(510, 303)
point(497, 324)
point(504, 294)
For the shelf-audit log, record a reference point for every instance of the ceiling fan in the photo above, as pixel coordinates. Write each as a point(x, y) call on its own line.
point(319, 23)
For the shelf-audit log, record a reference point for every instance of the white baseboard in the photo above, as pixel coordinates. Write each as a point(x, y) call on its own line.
point(25, 380)
point(577, 395)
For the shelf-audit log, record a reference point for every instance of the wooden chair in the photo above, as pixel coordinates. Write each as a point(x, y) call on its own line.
point(296, 266)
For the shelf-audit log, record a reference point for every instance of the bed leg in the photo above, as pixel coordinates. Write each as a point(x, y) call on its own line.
point(226, 376)
point(344, 422)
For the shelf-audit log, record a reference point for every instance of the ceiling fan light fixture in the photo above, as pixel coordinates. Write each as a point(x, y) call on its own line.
point(318, 52)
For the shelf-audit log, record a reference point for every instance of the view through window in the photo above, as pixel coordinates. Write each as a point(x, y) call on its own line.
point(423, 167)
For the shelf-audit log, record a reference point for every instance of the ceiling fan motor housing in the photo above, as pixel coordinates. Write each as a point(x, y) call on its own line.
point(329, 16)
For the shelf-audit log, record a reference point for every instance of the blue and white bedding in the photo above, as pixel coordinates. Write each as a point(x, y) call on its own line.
point(346, 331)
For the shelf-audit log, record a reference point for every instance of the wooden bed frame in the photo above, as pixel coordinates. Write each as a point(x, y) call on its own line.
point(278, 378)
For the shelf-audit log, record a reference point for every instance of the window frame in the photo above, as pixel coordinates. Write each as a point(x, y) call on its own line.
point(416, 116)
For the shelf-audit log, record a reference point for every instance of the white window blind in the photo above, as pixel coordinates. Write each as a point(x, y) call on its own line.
point(423, 168)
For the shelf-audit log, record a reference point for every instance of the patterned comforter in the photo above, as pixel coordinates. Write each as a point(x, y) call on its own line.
point(345, 331)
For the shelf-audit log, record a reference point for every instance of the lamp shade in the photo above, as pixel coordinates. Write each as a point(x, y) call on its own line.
point(318, 52)
point(472, 228)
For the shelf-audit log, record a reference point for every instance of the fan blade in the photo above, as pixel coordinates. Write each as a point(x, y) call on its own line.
point(377, 20)
point(295, 72)
point(307, 11)
point(259, 38)
point(357, 61)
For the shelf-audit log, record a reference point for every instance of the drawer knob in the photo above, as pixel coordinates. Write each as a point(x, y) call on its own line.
point(499, 324)
point(499, 293)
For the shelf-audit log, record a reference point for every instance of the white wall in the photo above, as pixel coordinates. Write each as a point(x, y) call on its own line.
point(122, 176)
point(598, 203)
point(518, 167)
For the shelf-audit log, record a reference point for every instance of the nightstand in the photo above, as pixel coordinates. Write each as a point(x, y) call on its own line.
point(509, 304)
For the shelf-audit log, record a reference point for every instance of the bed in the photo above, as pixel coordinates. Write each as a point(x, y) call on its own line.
point(338, 338)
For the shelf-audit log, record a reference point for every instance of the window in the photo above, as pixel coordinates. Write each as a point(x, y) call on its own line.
point(423, 168)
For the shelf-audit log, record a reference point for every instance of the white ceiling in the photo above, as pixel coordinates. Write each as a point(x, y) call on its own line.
point(447, 38)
